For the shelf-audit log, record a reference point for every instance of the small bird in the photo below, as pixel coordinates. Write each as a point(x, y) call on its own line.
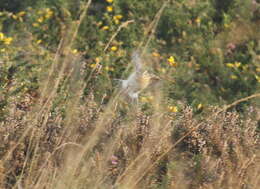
point(138, 80)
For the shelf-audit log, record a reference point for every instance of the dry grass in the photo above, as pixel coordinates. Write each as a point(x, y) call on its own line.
point(119, 145)
point(98, 147)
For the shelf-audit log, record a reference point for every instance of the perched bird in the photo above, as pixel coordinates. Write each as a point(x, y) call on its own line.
point(138, 80)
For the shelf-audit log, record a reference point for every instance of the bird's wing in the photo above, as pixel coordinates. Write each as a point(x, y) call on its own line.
point(137, 61)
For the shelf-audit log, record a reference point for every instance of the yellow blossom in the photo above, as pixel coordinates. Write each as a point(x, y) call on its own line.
point(234, 65)
point(257, 69)
point(118, 17)
point(2, 36)
point(257, 78)
point(146, 99)
point(245, 67)
point(22, 13)
point(20, 19)
point(109, 1)
point(116, 21)
point(2, 50)
point(74, 51)
point(230, 65)
point(99, 23)
point(111, 69)
point(171, 61)
point(39, 41)
point(97, 60)
point(156, 54)
point(237, 64)
point(35, 25)
point(173, 109)
point(197, 20)
point(113, 48)
point(143, 99)
point(109, 8)
point(199, 106)
point(14, 17)
point(40, 20)
point(8, 40)
point(233, 77)
point(108, 68)
point(105, 28)
point(197, 67)
point(93, 65)
point(49, 13)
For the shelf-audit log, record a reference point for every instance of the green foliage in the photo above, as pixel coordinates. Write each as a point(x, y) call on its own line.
point(200, 35)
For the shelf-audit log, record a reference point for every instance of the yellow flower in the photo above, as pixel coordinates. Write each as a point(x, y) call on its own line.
point(109, 8)
point(97, 60)
point(39, 41)
point(99, 23)
point(199, 106)
point(171, 61)
point(20, 19)
point(105, 28)
point(93, 65)
point(143, 99)
point(230, 65)
point(197, 20)
point(2, 36)
point(197, 67)
point(111, 69)
point(237, 64)
point(2, 50)
point(233, 77)
point(245, 67)
point(8, 40)
point(257, 78)
point(35, 25)
point(49, 13)
point(107, 68)
point(117, 17)
point(109, 1)
point(146, 99)
point(173, 109)
point(257, 69)
point(40, 20)
point(116, 21)
point(156, 54)
point(22, 13)
point(14, 17)
point(74, 51)
point(113, 48)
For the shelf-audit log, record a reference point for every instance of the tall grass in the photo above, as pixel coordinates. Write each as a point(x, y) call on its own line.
point(84, 143)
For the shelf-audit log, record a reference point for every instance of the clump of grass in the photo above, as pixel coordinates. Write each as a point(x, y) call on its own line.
point(72, 135)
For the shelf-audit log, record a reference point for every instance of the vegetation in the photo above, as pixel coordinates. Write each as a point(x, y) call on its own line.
point(65, 124)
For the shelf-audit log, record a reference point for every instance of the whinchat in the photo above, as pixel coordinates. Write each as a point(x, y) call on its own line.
point(138, 80)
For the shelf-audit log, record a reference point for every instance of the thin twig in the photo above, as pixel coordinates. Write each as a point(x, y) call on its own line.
point(123, 25)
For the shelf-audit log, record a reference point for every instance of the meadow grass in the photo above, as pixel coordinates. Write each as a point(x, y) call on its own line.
point(69, 134)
